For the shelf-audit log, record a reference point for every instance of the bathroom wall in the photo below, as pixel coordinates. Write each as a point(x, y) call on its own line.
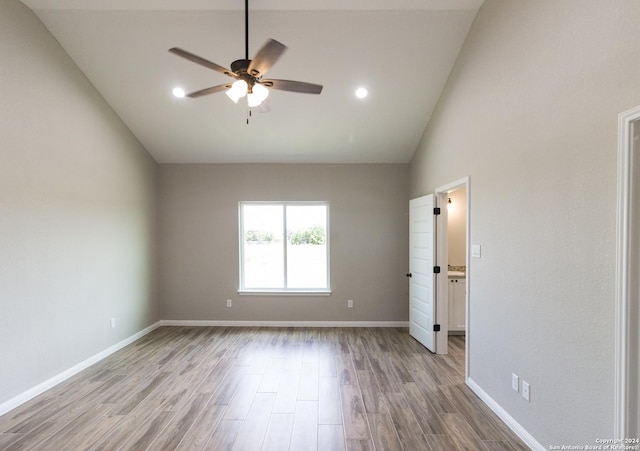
point(457, 226)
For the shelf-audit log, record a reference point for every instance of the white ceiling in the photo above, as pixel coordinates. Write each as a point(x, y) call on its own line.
point(402, 51)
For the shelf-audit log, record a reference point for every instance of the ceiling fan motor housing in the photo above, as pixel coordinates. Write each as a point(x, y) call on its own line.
point(240, 66)
point(240, 69)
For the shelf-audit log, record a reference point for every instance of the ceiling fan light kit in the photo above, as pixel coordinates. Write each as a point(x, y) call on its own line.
point(248, 73)
point(258, 94)
point(237, 90)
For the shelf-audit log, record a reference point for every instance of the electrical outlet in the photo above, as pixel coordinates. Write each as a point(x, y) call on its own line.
point(515, 382)
point(113, 323)
point(525, 390)
point(229, 303)
point(350, 303)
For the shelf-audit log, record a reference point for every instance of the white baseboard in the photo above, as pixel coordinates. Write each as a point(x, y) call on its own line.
point(55, 380)
point(205, 323)
point(505, 417)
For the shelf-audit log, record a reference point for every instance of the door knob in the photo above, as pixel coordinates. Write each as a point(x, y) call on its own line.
point(409, 275)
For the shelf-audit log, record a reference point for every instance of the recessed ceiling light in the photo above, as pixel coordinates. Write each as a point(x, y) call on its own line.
point(178, 92)
point(361, 93)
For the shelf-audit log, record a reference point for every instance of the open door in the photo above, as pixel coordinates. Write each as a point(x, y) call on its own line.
point(421, 271)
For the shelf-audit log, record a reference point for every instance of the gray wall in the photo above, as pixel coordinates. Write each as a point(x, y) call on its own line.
point(198, 231)
point(76, 213)
point(530, 114)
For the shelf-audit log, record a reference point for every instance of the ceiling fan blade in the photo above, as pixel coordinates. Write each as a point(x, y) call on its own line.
point(293, 86)
point(266, 57)
point(199, 60)
point(211, 90)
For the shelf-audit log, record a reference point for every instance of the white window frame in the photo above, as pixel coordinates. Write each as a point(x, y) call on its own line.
point(282, 291)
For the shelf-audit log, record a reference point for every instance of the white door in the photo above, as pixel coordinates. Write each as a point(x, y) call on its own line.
point(421, 276)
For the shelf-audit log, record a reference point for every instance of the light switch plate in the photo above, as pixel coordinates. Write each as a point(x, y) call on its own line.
point(476, 251)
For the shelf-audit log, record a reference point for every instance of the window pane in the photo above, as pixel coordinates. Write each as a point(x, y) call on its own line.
point(263, 246)
point(307, 246)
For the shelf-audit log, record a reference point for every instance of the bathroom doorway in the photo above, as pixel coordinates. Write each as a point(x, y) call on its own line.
point(457, 260)
point(452, 237)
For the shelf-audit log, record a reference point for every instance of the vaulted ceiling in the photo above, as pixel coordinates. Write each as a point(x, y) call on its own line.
point(402, 51)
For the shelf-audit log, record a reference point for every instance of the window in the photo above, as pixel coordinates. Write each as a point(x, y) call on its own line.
point(284, 247)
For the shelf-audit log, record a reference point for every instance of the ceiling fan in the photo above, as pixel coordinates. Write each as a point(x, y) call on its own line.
point(248, 73)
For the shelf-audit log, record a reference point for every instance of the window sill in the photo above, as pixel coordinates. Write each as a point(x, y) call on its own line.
point(284, 292)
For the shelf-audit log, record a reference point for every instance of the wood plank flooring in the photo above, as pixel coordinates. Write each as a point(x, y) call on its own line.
point(232, 388)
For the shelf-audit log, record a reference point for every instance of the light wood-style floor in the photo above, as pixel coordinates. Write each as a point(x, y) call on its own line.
point(223, 388)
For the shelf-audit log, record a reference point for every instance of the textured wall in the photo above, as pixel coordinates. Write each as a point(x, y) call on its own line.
point(198, 227)
point(77, 213)
point(530, 114)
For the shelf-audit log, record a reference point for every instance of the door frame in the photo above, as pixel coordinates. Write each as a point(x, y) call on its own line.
point(626, 352)
point(442, 289)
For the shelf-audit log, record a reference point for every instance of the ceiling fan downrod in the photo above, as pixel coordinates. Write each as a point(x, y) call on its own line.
point(246, 29)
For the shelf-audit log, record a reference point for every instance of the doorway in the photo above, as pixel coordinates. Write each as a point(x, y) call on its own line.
point(429, 303)
point(627, 315)
point(456, 205)
point(452, 236)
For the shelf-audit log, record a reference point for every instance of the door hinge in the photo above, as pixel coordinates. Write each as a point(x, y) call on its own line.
point(436, 210)
point(436, 270)
point(436, 327)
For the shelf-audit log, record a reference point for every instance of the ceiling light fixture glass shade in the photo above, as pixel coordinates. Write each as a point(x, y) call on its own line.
point(238, 89)
point(257, 95)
